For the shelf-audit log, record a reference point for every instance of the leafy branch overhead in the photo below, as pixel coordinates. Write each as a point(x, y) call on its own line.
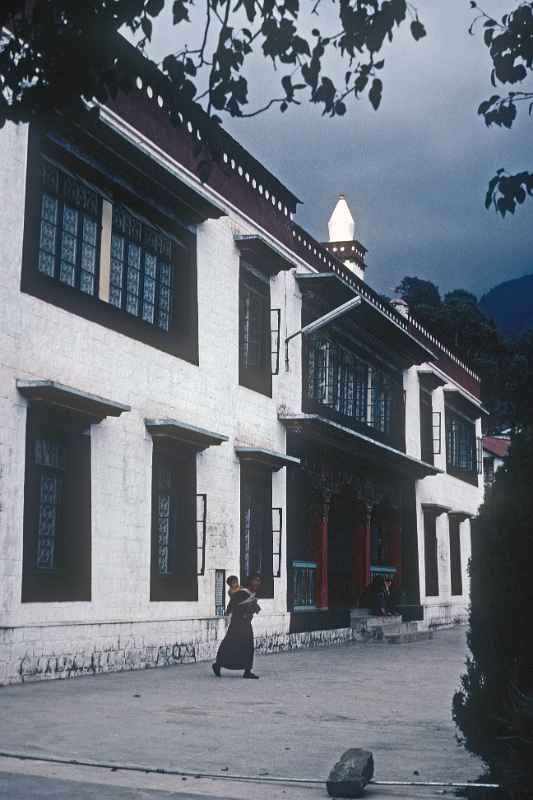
point(510, 45)
point(62, 50)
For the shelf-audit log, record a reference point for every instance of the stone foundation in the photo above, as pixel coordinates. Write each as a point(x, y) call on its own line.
point(59, 652)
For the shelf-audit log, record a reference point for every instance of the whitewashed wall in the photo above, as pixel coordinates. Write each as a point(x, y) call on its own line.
point(448, 491)
point(40, 341)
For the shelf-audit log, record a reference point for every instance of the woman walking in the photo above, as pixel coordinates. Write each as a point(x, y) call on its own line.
point(237, 648)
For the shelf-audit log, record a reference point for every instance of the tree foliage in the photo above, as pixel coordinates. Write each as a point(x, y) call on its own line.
point(510, 45)
point(494, 708)
point(458, 322)
point(61, 51)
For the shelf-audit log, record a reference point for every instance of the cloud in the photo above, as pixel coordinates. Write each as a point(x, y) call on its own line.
point(415, 172)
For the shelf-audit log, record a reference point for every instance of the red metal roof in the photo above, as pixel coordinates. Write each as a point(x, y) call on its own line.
point(496, 445)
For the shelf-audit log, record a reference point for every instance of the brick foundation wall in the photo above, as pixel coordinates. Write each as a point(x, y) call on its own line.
point(32, 654)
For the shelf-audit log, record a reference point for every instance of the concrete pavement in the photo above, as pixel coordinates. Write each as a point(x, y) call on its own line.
point(308, 707)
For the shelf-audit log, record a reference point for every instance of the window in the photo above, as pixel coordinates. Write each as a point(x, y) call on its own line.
point(456, 576)
point(430, 429)
point(255, 351)
point(431, 555)
point(350, 389)
point(174, 524)
point(461, 447)
point(142, 270)
point(304, 584)
point(256, 526)
point(87, 251)
point(69, 233)
point(488, 470)
point(57, 508)
point(220, 592)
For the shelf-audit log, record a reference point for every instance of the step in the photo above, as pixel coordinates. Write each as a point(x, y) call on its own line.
point(392, 629)
point(408, 637)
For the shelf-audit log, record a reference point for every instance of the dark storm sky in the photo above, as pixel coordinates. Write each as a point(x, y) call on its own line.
point(414, 172)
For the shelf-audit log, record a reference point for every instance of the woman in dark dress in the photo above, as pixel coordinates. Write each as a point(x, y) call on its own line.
point(237, 648)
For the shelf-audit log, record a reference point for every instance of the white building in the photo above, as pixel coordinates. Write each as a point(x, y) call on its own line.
point(495, 451)
point(162, 426)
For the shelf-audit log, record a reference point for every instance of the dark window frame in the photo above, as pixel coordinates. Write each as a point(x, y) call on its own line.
point(256, 526)
point(181, 340)
point(456, 567)
point(179, 580)
point(488, 470)
point(68, 578)
point(357, 392)
point(461, 447)
point(431, 556)
point(256, 373)
point(427, 435)
point(63, 194)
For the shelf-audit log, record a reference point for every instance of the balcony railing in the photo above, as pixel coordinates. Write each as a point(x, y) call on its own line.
point(304, 584)
point(340, 385)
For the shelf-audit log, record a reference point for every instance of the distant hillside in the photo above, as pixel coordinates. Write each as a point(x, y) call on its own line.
point(510, 305)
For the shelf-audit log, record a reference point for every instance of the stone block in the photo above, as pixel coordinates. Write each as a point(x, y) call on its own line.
point(351, 773)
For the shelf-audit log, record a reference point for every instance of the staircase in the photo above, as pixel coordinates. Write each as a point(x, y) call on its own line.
point(392, 630)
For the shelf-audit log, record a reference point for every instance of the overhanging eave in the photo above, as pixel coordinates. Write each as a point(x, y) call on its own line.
point(378, 322)
point(261, 255)
point(266, 458)
point(331, 434)
point(181, 433)
point(54, 394)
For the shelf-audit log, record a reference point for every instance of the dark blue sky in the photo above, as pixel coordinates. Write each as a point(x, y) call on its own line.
point(414, 172)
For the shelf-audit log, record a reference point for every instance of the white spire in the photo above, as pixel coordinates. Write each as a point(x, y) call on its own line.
point(341, 224)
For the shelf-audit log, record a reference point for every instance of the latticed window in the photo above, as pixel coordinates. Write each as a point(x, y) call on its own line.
point(69, 235)
point(456, 576)
point(166, 519)
point(174, 535)
point(57, 508)
point(461, 450)
point(256, 526)
point(380, 401)
point(304, 584)
point(142, 270)
point(341, 381)
point(431, 563)
point(256, 332)
point(49, 464)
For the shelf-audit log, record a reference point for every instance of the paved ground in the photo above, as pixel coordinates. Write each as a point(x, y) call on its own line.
point(308, 707)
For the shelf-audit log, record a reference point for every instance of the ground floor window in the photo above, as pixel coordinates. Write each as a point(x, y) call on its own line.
point(256, 526)
point(455, 558)
point(57, 508)
point(174, 524)
point(431, 555)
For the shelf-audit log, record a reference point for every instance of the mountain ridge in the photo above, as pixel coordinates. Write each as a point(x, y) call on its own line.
point(510, 305)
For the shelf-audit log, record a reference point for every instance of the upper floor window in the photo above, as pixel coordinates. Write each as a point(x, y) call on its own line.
point(69, 234)
point(430, 428)
point(346, 386)
point(461, 447)
point(255, 351)
point(106, 253)
point(142, 270)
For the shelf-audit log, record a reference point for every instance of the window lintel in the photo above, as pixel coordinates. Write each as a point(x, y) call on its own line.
point(51, 393)
point(266, 458)
point(181, 433)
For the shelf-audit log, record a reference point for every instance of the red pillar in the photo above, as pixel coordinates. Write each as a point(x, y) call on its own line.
point(395, 547)
point(320, 553)
point(361, 550)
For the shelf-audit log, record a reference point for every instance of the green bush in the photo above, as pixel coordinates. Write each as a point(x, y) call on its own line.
point(494, 708)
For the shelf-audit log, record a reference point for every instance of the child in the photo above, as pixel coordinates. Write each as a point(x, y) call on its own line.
point(233, 583)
